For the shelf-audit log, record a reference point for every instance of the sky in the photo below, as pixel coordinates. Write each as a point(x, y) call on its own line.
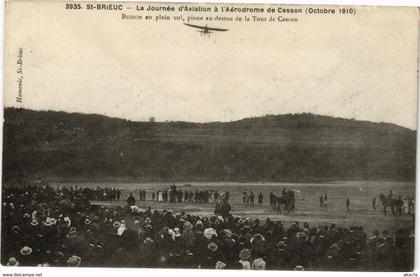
point(362, 66)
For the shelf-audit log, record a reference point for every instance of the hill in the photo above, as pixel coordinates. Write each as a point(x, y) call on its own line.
point(63, 146)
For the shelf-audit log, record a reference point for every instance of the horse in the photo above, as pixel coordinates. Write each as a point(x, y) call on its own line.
point(394, 204)
point(287, 200)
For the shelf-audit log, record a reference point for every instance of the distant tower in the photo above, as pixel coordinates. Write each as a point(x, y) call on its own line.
point(152, 119)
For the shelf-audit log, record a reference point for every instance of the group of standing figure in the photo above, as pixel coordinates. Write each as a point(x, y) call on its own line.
point(397, 204)
point(249, 199)
point(323, 201)
point(175, 195)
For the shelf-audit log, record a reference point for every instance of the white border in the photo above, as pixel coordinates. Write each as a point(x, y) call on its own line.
point(112, 272)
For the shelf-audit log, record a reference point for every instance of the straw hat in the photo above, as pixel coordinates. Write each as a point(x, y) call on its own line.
point(74, 261)
point(209, 233)
point(245, 254)
point(12, 262)
point(220, 265)
point(48, 221)
point(26, 250)
point(299, 268)
point(212, 246)
point(257, 237)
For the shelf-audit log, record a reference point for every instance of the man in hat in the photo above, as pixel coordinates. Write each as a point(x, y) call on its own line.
point(245, 258)
point(218, 209)
point(299, 268)
point(260, 199)
point(188, 236)
point(225, 208)
point(220, 265)
point(245, 199)
point(131, 201)
point(251, 198)
point(26, 258)
point(348, 204)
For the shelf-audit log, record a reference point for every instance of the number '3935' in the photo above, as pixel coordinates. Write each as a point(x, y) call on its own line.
point(73, 6)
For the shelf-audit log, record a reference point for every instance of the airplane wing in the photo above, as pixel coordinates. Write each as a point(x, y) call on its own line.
point(196, 26)
point(217, 29)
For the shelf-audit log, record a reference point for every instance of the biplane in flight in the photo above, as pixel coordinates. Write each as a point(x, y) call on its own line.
point(206, 30)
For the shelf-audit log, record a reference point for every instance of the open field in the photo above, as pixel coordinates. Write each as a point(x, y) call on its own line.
point(307, 201)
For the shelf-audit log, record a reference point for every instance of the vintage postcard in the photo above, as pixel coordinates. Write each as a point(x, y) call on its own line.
point(209, 136)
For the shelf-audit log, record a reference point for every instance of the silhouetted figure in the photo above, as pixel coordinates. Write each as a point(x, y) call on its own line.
point(225, 209)
point(374, 203)
point(216, 196)
point(260, 199)
point(245, 199)
point(227, 195)
point(251, 199)
point(131, 201)
point(348, 204)
point(272, 200)
point(325, 201)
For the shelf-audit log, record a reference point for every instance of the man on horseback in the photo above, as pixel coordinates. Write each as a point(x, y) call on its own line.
point(389, 201)
point(287, 199)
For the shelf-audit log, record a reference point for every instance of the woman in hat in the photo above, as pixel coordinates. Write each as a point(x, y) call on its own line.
point(188, 237)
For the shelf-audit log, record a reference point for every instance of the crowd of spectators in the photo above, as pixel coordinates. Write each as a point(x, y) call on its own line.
point(45, 226)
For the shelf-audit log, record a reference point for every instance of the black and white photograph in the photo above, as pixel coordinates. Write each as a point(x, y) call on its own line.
point(209, 136)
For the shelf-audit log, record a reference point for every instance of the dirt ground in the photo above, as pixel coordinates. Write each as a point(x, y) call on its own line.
point(307, 203)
